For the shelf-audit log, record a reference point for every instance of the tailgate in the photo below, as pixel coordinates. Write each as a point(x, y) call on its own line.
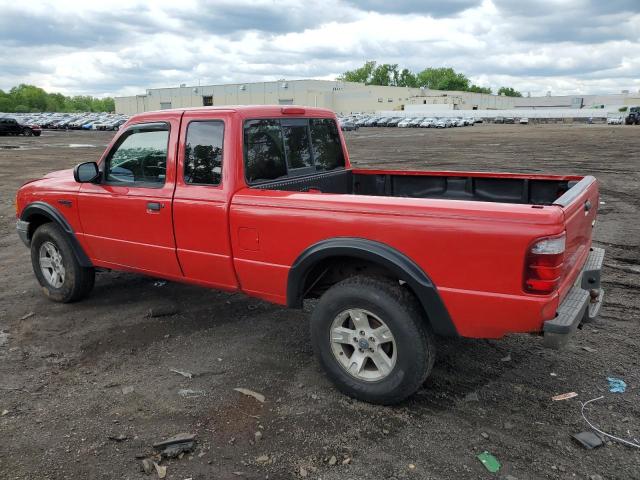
point(580, 205)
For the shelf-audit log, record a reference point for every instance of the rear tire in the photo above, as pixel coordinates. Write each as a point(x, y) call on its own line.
point(56, 267)
point(364, 363)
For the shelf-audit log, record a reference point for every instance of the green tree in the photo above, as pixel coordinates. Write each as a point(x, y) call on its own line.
point(477, 89)
point(359, 75)
point(384, 74)
point(509, 92)
point(407, 79)
point(29, 98)
point(444, 78)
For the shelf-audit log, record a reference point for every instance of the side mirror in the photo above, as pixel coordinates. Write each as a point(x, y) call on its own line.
point(87, 172)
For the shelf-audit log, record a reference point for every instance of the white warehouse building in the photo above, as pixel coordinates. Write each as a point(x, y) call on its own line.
point(350, 97)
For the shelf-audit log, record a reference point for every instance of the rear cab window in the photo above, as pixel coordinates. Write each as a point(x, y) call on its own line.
point(290, 147)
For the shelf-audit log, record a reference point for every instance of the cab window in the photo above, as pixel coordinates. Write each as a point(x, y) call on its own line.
point(203, 153)
point(290, 147)
point(140, 157)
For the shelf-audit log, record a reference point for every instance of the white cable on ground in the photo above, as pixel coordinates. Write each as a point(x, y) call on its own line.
point(621, 440)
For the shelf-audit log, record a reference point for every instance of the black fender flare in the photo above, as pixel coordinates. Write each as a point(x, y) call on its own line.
point(46, 210)
point(402, 266)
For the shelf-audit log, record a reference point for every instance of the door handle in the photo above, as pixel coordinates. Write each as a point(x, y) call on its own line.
point(587, 205)
point(154, 206)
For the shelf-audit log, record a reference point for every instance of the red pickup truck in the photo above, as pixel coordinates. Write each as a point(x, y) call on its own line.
point(263, 200)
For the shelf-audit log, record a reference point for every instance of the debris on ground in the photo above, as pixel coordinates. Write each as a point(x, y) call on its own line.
point(174, 447)
point(616, 385)
point(5, 412)
point(506, 359)
point(588, 440)
point(588, 349)
point(159, 283)
point(160, 470)
point(490, 462)
point(257, 436)
point(333, 460)
point(182, 372)
point(4, 338)
point(162, 311)
point(263, 459)
point(564, 396)
point(117, 438)
point(189, 393)
point(27, 315)
point(127, 390)
point(147, 466)
point(412, 466)
point(629, 443)
point(303, 472)
point(472, 397)
point(258, 396)
point(484, 435)
point(175, 451)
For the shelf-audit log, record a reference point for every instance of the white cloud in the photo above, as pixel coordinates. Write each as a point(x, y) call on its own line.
point(124, 46)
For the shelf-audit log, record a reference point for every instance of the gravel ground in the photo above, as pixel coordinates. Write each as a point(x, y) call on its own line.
point(71, 376)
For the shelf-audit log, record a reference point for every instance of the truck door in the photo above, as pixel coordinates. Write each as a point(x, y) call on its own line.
point(200, 205)
point(126, 218)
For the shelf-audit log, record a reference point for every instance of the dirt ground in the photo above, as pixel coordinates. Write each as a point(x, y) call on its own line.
point(71, 376)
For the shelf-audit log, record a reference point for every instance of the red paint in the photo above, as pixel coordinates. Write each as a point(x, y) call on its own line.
point(243, 239)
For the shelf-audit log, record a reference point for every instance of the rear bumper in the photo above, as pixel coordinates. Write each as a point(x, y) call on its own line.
point(582, 303)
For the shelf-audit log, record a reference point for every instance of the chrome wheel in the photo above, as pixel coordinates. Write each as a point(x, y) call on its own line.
point(51, 264)
point(363, 345)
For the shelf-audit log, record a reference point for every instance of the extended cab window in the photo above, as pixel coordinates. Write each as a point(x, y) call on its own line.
point(140, 157)
point(327, 149)
point(264, 150)
point(203, 153)
point(289, 147)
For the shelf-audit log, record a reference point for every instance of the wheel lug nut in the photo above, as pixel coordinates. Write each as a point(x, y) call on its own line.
point(355, 339)
point(371, 339)
point(362, 333)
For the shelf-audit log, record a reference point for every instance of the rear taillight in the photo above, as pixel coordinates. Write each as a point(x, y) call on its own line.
point(544, 265)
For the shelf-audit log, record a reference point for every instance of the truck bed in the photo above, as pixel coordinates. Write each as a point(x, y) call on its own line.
point(475, 186)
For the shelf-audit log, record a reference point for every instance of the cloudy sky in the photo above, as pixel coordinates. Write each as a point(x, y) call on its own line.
point(124, 47)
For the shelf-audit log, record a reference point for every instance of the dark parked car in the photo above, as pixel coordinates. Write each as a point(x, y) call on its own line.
point(509, 120)
point(10, 126)
point(499, 120)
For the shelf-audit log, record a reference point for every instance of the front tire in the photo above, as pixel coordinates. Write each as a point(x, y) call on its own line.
point(27, 132)
point(372, 339)
point(56, 267)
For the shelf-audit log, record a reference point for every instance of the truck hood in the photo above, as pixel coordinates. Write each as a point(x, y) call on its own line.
point(68, 173)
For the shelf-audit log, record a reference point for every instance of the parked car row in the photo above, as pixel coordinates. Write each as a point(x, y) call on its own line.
point(77, 121)
point(354, 122)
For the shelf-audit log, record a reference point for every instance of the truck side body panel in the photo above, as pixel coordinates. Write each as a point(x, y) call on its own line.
point(473, 252)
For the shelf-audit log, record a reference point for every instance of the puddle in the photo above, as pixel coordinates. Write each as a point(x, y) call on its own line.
point(81, 145)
